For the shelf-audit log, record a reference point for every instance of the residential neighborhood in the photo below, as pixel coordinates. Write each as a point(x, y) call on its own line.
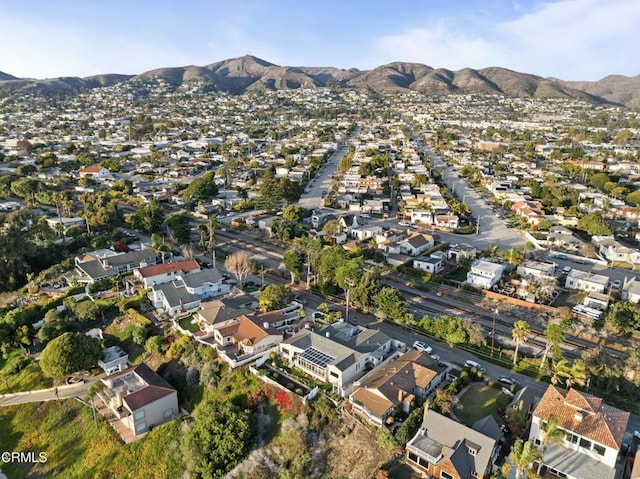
point(444, 284)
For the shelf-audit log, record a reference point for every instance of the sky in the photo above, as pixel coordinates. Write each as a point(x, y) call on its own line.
point(566, 39)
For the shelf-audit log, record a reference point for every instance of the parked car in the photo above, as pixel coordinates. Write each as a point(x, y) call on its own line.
point(420, 346)
point(561, 256)
point(507, 381)
point(474, 364)
point(616, 284)
point(435, 357)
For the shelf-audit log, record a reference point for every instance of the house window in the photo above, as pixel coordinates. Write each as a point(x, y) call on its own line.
point(168, 414)
point(334, 374)
point(413, 457)
point(141, 426)
point(139, 414)
point(585, 443)
point(599, 450)
point(445, 475)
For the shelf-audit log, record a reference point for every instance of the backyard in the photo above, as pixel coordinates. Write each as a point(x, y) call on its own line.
point(478, 401)
point(186, 324)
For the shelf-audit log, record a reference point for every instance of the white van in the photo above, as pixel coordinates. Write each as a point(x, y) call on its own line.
point(473, 364)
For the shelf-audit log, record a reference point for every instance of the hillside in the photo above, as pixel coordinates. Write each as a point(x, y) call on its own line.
point(249, 73)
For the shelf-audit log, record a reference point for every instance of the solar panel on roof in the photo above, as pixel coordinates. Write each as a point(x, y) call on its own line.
point(316, 357)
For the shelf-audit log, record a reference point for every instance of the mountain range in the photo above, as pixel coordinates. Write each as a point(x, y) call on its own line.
point(248, 73)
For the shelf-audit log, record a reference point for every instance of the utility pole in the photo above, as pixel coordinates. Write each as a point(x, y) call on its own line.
point(350, 284)
point(493, 330)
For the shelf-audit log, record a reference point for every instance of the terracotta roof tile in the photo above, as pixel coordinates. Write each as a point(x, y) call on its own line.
point(584, 414)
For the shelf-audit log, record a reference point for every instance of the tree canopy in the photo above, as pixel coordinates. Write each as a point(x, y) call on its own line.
point(274, 296)
point(201, 189)
point(219, 438)
point(69, 353)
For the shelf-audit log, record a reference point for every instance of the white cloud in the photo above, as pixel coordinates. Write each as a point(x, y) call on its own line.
point(570, 39)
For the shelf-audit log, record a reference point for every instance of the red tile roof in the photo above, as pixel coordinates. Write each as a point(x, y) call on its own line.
point(584, 414)
point(163, 268)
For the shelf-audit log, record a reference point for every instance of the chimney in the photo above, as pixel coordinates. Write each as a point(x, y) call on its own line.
point(327, 334)
point(182, 305)
point(400, 395)
point(578, 416)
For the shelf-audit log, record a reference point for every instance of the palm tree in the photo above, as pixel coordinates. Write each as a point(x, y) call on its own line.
point(492, 251)
point(94, 390)
point(554, 333)
point(551, 434)
point(559, 369)
point(523, 455)
point(515, 256)
point(577, 374)
point(519, 333)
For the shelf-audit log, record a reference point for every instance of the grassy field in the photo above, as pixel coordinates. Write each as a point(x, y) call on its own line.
point(76, 448)
point(17, 373)
point(479, 401)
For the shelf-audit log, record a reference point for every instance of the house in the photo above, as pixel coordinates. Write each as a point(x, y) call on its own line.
point(165, 272)
point(461, 252)
point(348, 223)
point(586, 281)
point(365, 232)
point(446, 449)
point(244, 338)
point(114, 359)
point(537, 270)
point(430, 264)
point(612, 250)
point(140, 398)
point(95, 172)
point(339, 353)
point(105, 263)
point(631, 291)
point(484, 274)
point(186, 291)
point(218, 312)
point(593, 434)
point(63, 223)
point(416, 244)
point(395, 386)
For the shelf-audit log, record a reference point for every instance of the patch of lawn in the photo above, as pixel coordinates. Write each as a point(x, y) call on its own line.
point(478, 401)
point(19, 373)
point(186, 324)
point(76, 448)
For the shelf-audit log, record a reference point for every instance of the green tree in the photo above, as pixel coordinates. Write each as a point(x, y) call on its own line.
point(331, 259)
point(560, 370)
point(593, 223)
point(180, 227)
point(201, 189)
point(148, 219)
point(69, 353)
point(269, 192)
point(293, 214)
point(219, 438)
point(624, 317)
point(391, 304)
point(523, 455)
point(365, 290)
point(554, 334)
point(599, 180)
point(274, 296)
point(520, 334)
point(294, 262)
point(551, 434)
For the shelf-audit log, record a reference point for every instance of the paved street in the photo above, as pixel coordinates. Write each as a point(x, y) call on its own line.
point(63, 392)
